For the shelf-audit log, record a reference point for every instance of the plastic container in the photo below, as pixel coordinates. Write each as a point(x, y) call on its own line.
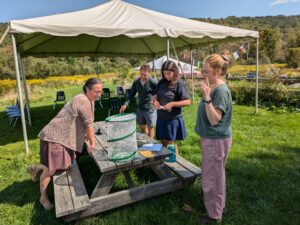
point(172, 149)
point(121, 137)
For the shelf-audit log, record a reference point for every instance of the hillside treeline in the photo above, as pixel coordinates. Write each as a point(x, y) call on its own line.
point(279, 43)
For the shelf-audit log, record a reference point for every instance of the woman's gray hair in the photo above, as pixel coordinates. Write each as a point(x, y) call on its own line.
point(90, 83)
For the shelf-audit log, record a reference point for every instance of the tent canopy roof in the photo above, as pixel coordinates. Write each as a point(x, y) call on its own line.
point(115, 28)
point(157, 63)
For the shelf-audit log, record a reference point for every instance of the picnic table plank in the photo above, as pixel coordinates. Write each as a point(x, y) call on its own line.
point(102, 161)
point(104, 185)
point(162, 171)
point(103, 140)
point(79, 195)
point(121, 198)
point(180, 170)
point(190, 166)
point(62, 194)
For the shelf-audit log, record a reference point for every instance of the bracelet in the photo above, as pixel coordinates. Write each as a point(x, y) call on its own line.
point(207, 102)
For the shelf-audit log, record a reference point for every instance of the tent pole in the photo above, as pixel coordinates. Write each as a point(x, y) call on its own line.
point(178, 62)
point(20, 93)
point(256, 90)
point(192, 74)
point(27, 105)
point(248, 48)
point(4, 35)
point(153, 66)
point(168, 48)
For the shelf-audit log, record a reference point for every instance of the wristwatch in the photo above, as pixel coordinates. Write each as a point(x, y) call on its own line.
point(207, 102)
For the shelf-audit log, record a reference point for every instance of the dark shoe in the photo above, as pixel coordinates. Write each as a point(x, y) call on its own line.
point(224, 211)
point(207, 220)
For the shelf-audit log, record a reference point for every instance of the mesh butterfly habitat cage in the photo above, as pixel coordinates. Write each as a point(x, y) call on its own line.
point(121, 137)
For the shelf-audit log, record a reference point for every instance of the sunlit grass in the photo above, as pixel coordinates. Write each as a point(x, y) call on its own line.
point(264, 69)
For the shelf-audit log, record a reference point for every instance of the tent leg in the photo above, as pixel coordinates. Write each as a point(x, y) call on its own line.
point(168, 48)
point(192, 74)
point(27, 105)
point(256, 90)
point(178, 62)
point(20, 93)
point(153, 67)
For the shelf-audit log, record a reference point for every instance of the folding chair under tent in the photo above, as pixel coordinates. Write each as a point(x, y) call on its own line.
point(101, 31)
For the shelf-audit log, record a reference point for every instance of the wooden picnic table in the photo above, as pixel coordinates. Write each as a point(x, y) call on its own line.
point(72, 201)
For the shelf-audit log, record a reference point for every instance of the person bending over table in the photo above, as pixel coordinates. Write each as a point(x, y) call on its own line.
point(145, 112)
point(171, 96)
point(65, 135)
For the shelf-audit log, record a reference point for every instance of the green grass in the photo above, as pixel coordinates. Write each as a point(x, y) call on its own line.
point(263, 172)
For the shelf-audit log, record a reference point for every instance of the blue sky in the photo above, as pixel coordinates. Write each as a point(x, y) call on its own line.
point(22, 9)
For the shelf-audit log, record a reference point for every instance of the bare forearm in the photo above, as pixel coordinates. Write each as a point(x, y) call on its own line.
point(213, 115)
point(181, 103)
point(90, 135)
point(154, 98)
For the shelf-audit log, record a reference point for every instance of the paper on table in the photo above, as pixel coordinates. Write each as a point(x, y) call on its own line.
point(147, 154)
point(150, 147)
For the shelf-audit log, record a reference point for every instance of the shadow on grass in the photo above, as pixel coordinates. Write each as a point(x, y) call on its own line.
point(27, 192)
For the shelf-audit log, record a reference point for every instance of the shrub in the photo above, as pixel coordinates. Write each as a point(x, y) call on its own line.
point(6, 86)
point(293, 58)
point(57, 81)
point(271, 92)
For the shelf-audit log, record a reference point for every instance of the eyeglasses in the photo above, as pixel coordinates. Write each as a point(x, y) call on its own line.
point(97, 92)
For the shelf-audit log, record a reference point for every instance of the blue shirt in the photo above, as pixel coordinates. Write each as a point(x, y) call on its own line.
point(166, 94)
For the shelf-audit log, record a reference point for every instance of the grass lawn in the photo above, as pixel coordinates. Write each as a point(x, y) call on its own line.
point(263, 172)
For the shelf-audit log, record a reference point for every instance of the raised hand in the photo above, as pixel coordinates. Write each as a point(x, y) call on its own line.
point(122, 109)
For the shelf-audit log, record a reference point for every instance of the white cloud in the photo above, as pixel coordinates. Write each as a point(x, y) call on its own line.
point(278, 2)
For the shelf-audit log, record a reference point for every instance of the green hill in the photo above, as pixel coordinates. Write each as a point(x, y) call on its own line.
point(279, 43)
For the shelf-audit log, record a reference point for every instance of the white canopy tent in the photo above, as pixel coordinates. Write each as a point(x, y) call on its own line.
point(115, 28)
point(184, 68)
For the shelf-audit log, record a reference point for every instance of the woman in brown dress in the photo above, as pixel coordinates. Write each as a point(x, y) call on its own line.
point(64, 135)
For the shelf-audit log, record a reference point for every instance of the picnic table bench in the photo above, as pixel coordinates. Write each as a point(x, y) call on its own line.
point(71, 198)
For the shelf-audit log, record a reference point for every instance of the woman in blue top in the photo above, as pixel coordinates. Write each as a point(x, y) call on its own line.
point(214, 128)
point(171, 95)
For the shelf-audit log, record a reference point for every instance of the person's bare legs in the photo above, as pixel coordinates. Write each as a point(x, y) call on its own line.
point(167, 142)
point(144, 129)
point(44, 182)
point(34, 171)
point(176, 147)
point(151, 132)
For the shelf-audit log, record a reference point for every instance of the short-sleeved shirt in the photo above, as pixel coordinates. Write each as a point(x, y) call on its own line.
point(166, 93)
point(145, 93)
point(221, 99)
point(70, 125)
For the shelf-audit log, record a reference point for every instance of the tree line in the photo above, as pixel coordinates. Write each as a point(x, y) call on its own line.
point(279, 43)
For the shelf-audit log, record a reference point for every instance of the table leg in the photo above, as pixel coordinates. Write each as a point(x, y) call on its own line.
point(104, 185)
point(162, 171)
point(128, 179)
